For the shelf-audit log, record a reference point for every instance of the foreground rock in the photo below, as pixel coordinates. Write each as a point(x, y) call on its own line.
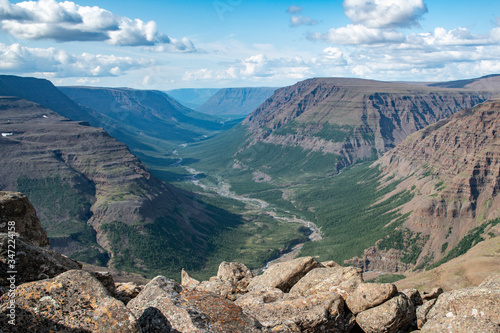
point(369, 295)
point(18, 214)
point(480, 302)
point(342, 280)
point(163, 300)
point(284, 275)
point(396, 314)
point(73, 301)
point(34, 262)
point(232, 280)
point(282, 312)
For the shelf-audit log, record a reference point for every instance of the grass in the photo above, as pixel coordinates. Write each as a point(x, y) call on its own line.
point(466, 243)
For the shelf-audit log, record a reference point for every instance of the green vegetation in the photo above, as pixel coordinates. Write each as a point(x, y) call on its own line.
point(408, 242)
point(335, 133)
point(345, 207)
point(466, 243)
point(444, 247)
point(387, 278)
point(57, 200)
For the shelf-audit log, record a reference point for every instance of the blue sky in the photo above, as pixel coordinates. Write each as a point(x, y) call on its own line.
point(160, 44)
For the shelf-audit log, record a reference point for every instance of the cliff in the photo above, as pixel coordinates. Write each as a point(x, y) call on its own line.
point(453, 170)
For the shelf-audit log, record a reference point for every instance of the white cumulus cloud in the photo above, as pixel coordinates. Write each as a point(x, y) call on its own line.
point(52, 62)
point(68, 21)
point(385, 13)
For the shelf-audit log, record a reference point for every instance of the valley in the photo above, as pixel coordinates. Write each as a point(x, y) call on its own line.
point(311, 171)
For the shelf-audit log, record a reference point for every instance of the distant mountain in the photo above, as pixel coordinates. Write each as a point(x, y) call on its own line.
point(150, 122)
point(452, 169)
point(484, 83)
point(235, 101)
point(44, 93)
point(319, 126)
point(192, 97)
point(96, 200)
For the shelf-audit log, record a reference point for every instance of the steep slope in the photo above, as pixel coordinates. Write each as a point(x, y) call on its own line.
point(192, 97)
point(44, 93)
point(235, 101)
point(148, 111)
point(149, 122)
point(319, 126)
point(453, 169)
point(98, 201)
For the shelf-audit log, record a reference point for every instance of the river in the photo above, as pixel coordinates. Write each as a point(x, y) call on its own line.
point(222, 188)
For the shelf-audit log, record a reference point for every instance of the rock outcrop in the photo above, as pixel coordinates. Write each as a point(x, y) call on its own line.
point(284, 275)
point(73, 301)
point(17, 214)
point(189, 310)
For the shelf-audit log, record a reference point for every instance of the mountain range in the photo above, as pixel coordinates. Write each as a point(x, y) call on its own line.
point(307, 151)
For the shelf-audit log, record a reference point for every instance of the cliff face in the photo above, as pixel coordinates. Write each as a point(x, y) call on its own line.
point(93, 196)
point(453, 169)
point(235, 101)
point(349, 117)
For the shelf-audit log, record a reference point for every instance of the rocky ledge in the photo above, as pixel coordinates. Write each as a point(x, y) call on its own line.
point(301, 295)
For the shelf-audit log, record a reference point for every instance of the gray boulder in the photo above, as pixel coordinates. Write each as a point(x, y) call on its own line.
point(396, 314)
point(73, 301)
point(284, 275)
point(189, 310)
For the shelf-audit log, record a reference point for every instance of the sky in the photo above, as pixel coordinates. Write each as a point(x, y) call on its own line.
point(162, 44)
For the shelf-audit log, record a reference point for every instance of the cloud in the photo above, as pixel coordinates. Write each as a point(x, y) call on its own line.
point(359, 34)
point(294, 9)
point(298, 20)
point(67, 21)
point(385, 13)
point(52, 62)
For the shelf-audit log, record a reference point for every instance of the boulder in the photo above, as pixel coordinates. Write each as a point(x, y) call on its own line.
point(342, 280)
point(281, 312)
point(459, 324)
point(218, 287)
point(127, 291)
point(478, 302)
point(284, 275)
point(73, 301)
point(330, 263)
point(187, 280)
point(34, 262)
point(414, 296)
point(233, 272)
point(18, 214)
point(433, 294)
point(422, 312)
point(189, 310)
point(369, 295)
point(394, 315)
point(106, 280)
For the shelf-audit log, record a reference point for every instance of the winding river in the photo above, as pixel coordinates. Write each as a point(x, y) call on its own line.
point(222, 189)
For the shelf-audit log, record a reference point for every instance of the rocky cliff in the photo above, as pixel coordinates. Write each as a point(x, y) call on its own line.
point(349, 117)
point(453, 169)
point(235, 101)
point(96, 200)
